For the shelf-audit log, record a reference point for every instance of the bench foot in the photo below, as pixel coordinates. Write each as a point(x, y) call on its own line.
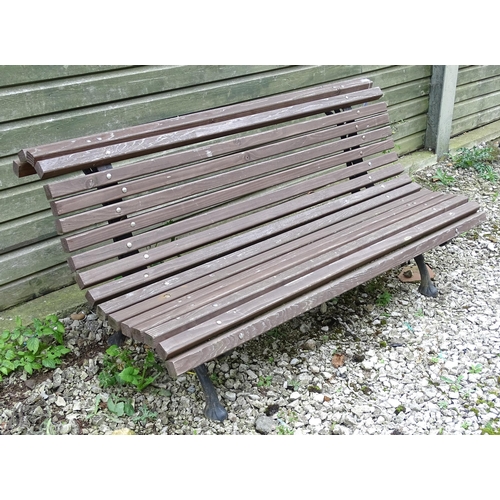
point(213, 408)
point(117, 339)
point(426, 287)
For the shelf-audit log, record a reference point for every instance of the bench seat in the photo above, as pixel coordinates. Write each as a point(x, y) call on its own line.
point(198, 233)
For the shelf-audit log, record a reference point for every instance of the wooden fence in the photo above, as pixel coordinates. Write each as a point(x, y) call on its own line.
point(41, 104)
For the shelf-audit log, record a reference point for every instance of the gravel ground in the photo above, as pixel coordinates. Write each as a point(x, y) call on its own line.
point(380, 359)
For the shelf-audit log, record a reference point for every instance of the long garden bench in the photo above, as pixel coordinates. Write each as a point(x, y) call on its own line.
point(197, 233)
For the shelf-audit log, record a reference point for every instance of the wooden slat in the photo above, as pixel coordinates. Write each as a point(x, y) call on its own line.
point(190, 305)
point(299, 304)
point(22, 168)
point(147, 167)
point(96, 141)
point(162, 142)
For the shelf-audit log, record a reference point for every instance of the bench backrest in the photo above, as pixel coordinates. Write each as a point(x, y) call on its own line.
point(230, 168)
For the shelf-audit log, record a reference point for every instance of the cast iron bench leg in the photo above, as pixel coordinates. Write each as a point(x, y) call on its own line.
point(213, 408)
point(426, 287)
point(117, 338)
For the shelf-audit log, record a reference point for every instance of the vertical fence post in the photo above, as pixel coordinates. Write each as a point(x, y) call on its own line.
point(440, 114)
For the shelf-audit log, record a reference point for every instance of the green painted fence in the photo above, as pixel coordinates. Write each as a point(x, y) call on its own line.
point(41, 104)
point(477, 98)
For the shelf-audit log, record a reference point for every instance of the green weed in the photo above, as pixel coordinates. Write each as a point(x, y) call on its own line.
point(120, 368)
point(264, 381)
point(383, 299)
point(145, 414)
point(476, 368)
point(443, 177)
point(479, 159)
point(33, 347)
point(284, 430)
point(455, 385)
point(120, 407)
point(286, 420)
point(490, 429)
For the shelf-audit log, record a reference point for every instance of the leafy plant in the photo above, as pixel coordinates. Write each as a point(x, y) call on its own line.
point(476, 368)
point(490, 429)
point(145, 414)
point(383, 299)
point(454, 384)
point(480, 159)
point(284, 430)
point(33, 347)
point(443, 177)
point(49, 427)
point(120, 368)
point(286, 421)
point(120, 407)
point(265, 381)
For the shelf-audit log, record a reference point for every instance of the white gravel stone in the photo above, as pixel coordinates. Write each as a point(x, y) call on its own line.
point(60, 401)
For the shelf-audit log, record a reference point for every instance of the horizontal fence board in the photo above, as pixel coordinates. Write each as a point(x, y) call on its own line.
point(394, 76)
point(22, 201)
point(410, 143)
point(30, 260)
point(477, 89)
point(409, 109)
point(475, 106)
point(35, 285)
point(19, 74)
point(471, 74)
point(26, 231)
point(418, 89)
point(405, 128)
point(473, 121)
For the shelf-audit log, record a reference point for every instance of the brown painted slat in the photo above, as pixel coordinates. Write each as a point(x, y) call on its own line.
point(151, 166)
point(244, 223)
point(22, 169)
point(398, 188)
point(117, 287)
point(186, 308)
point(216, 166)
point(192, 120)
point(284, 312)
point(359, 248)
point(115, 152)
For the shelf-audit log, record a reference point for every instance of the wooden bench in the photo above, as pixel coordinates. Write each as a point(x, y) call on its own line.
point(214, 227)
